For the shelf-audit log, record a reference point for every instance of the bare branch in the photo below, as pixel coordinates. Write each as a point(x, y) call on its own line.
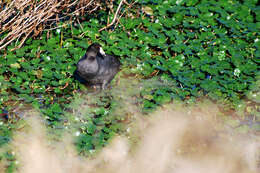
point(20, 19)
point(115, 17)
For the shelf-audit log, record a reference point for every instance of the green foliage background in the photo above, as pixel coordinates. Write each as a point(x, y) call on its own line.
point(199, 48)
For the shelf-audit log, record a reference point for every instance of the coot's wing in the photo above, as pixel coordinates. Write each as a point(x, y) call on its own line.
point(78, 77)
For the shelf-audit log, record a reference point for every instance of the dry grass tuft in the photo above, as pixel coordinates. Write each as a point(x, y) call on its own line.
point(22, 18)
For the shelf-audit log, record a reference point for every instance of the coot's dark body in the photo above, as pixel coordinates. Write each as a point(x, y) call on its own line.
point(96, 67)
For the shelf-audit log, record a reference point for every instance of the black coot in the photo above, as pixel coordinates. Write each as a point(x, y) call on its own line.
point(96, 67)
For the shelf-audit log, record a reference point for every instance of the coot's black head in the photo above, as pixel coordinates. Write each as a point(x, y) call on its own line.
point(95, 48)
point(88, 66)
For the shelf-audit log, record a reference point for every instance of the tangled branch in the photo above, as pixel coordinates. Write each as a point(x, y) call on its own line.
point(116, 18)
point(22, 18)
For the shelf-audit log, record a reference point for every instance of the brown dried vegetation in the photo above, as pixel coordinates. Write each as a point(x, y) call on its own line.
point(22, 18)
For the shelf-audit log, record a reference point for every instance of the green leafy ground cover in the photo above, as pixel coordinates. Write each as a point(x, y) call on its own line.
point(196, 48)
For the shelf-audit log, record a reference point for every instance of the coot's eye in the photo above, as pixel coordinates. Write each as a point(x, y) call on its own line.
point(92, 58)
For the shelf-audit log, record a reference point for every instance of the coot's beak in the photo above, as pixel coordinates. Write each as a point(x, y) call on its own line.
point(102, 52)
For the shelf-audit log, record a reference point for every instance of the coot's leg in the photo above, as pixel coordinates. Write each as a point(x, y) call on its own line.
point(104, 85)
point(97, 89)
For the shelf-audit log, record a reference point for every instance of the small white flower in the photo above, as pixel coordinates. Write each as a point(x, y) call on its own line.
point(148, 53)
point(178, 2)
point(76, 119)
point(1, 123)
point(221, 55)
point(77, 133)
point(67, 44)
point(106, 112)
point(256, 40)
point(16, 162)
point(240, 106)
point(58, 31)
point(177, 61)
point(146, 48)
point(92, 151)
point(237, 72)
point(210, 14)
point(48, 58)
point(254, 95)
point(157, 21)
point(140, 66)
point(128, 129)
point(228, 17)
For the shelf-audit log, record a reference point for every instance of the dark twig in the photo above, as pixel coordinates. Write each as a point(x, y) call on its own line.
point(129, 6)
point(115, 17)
